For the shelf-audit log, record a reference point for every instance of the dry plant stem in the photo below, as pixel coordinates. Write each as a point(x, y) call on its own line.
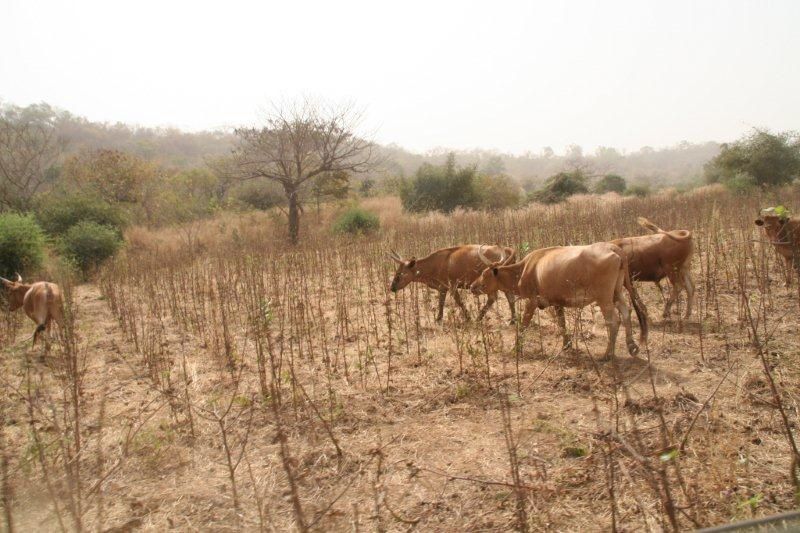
point(702, 408)
point(325, 423)
point(7, 488)
point(40, 447)
point(776, 396)
point(100, 451)
point(513, 462)
point(286, 462)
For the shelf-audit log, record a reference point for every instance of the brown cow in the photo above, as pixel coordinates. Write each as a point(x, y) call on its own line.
point(784, 234)
point(665, 254)
point(571, 276)
point(450, 269)
point(41, 302)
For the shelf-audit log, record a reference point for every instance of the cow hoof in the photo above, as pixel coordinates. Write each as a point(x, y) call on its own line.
point(633, 349)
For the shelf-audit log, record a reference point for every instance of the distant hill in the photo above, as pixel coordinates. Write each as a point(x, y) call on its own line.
point(677, 165)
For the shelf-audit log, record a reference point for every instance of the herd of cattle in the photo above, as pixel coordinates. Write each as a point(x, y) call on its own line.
point(577, 276)
point(559, 276)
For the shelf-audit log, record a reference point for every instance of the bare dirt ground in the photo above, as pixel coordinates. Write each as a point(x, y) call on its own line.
point(431, 454)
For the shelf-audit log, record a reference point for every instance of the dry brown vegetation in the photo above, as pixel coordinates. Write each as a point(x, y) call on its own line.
point(225, 381)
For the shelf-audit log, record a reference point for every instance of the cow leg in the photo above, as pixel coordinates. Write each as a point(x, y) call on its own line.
point(660, 289)
point(673, 297)
point(440, 314)
point(625, 314)
point(457, 298)
point(562, 328)
point(530, 307)
point(511, 299)
point(490, 300)
point(612, 327)
point(689, 285)
point(790, 265)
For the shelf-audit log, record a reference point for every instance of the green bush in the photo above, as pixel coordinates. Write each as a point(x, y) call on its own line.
point(356, 221)
point(259, 194)
point(561, 186)
point(498, 192)
point(59, 212)
point(610, 183)
point(640, 189)
point(88, 244)
point(21, 244)
point(741, 183)
point(768, 158)
point(441, 188)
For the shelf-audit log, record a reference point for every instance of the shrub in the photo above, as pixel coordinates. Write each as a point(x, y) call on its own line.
point(59, 212)
point(440, 188)
point(610, 183)
point(88, 244)
point(498, 192)
point(356, 221)
point(561, 186)
point(640, 190)
point(741, 183)
point(771, 159)
point(259, 195)
point(21, 244)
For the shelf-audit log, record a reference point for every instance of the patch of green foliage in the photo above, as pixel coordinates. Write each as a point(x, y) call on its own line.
point(768, 159)
point(88, 244)
point(561, 186)
point(356, 221)
point(21, 244)
point(58, 212)
point(441, 188)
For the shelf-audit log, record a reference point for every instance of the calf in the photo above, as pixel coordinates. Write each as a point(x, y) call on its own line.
point(41, 301)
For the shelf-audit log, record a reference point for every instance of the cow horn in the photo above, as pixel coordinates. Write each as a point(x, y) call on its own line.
point(483, 257)
point(395, 256)
point(4, 280)
point(19, 278)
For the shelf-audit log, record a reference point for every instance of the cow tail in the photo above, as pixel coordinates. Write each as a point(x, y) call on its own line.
point(638, 305)
point(682, 235)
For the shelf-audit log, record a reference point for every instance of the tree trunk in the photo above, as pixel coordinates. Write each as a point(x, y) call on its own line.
point(294, 217)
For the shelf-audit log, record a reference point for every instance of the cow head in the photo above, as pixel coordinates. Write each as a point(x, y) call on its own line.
point(16, 292)
point(487, 282)
point(406, 271)
point(772, 220)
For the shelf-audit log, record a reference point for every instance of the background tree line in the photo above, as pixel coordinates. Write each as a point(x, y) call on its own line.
point(82, 183)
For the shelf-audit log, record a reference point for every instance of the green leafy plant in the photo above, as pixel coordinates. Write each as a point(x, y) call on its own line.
point(88, 244)
point(356, 221)
point(21, 244)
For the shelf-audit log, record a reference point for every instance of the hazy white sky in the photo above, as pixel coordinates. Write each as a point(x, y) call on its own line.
point(513, 76)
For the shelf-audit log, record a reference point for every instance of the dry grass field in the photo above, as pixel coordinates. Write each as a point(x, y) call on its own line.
point(214, 379)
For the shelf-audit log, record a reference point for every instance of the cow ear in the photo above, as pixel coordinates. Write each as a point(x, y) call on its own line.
point(759, 222)
point(495, 271)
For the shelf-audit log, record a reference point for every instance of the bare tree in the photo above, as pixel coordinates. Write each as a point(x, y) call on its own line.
point(29, 147)
point(298, 143)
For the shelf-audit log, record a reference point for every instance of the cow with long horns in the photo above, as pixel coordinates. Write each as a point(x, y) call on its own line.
point(450, 269)
point(571, 276)
point(41, 301)
point(662, 254)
